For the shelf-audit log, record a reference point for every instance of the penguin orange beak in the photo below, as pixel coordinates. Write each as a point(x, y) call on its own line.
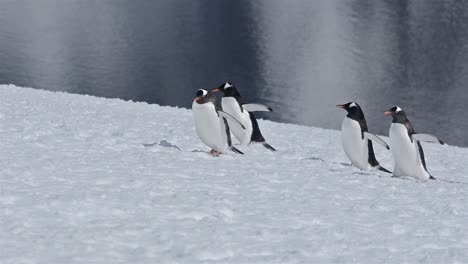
point(340, 106)
point(216, 90)
point(387, 113)
point(197, 99)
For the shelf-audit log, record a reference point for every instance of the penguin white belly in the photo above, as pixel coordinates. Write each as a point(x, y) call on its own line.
point(209, 126)
point(406, 154)
point(354, 145)
point(231, 106)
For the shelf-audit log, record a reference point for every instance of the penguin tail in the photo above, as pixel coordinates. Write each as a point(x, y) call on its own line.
point(432, 177)
point(268, 146)
point(380, 168)
point(234, 149)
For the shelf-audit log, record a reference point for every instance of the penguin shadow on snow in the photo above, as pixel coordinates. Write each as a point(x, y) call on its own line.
point(357, 171)
point(166, 144)
point(163, 143)
point(344, 164)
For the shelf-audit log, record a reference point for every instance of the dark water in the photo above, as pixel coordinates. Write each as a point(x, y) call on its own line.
point(301, 57)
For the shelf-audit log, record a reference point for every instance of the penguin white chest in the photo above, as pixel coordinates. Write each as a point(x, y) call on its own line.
point(209, 126)
point(354, 145)
point(231, 106)
point(406, 153)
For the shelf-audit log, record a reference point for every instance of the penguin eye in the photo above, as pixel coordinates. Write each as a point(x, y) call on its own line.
point(353, 104)
point(398, 109)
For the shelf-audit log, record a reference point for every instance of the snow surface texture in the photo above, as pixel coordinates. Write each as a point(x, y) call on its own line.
point(92, 180)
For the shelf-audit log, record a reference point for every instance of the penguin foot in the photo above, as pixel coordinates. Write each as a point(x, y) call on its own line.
point(215, 153)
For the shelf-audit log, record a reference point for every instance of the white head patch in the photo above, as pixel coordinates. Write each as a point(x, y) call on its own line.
point(353, 104)
point(205, 92)
point(227, 85)
point(398, 109)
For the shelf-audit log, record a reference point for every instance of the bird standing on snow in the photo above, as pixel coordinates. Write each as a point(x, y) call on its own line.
point(233, 104)
point(211, 124)
point(357, 141)
point(406, 147)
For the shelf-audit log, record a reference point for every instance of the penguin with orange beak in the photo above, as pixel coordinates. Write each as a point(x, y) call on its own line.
point(212, 125)
point(356, 139)
point(406, 146)
point(233, 104)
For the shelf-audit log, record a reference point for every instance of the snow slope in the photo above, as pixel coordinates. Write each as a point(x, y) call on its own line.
point(77, 185)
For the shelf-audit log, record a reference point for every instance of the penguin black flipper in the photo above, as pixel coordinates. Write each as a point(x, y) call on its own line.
point(372, 160)
point(228, 136)
point(421, 155)
point(228, 132)
point(423, 160)
point(257, 135)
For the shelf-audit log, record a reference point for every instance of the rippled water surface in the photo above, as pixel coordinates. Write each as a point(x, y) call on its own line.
point(301, 57)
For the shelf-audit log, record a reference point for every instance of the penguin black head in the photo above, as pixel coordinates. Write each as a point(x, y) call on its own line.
point(353, 109)
point(203, 96)
point(398, 115)
point(228, 90)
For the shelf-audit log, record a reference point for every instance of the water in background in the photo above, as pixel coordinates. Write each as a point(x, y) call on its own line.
point(301, 57)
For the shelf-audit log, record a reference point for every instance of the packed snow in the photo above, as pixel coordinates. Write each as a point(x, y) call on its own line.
point(93, 180)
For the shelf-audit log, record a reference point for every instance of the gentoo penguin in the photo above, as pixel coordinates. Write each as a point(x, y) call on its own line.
point(406, 146)
point(232, 103)
point(357, 141)
point(211, 124)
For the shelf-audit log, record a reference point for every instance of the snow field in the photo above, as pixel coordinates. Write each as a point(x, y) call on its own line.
point(78, 185)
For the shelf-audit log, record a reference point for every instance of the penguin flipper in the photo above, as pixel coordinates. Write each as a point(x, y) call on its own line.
point(268, 146)
point(223, 114)
point(427, 138)
point(228, 137)
point(225, 124)
point(432, 177)
point(376, 139)
point(234, 149)
point(257, 107)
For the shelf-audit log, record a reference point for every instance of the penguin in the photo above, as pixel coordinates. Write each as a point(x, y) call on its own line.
point(212, 125)
point(357, 141)
point(406, 146)
point(232, 103)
